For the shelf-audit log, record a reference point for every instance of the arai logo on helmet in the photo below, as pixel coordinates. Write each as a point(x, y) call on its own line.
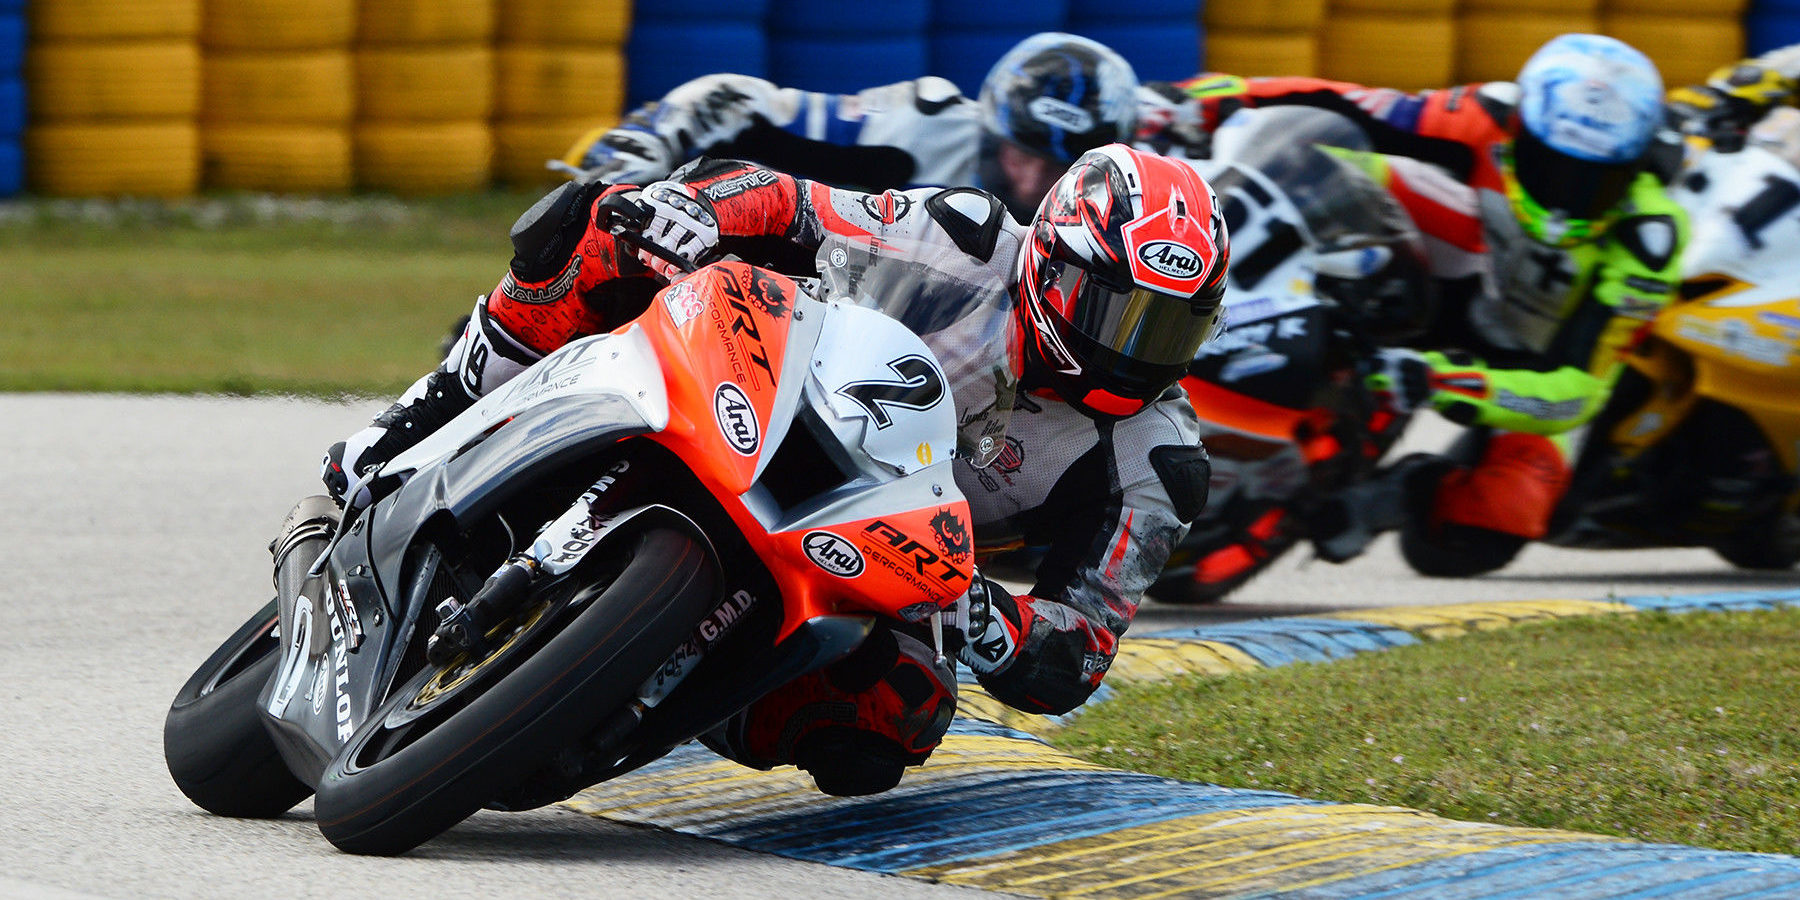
point(1060, 114)
point(736, 418)
point(833, 554)
point(1171, 259)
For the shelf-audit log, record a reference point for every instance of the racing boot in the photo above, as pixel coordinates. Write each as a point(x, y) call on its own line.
point(1345, 522)
point(483, 358)
point(855, 725)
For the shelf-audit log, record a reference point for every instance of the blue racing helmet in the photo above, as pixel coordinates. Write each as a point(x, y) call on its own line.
point(1588, 108)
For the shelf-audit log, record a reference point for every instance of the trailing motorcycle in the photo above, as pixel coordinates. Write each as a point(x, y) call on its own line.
point(1699, 445)
point(1325, 265)
point(600, 560)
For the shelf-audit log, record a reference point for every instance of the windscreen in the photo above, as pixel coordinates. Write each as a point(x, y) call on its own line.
point(958, 306)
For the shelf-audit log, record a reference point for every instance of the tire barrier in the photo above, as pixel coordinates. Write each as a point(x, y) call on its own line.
point(841, 65)
point(315, 87)
point(423, 158)
point(996, 808)
point(1274, 15)
point(1685, 48)
point(391, 22)
point(12, 98)
point(110, 20)
point(114, 98)
point(582, 23)
point(88, 159)
point(966, 56)
point(1388, 51)
point(1020, 16)
point(424, 95)
point(77, 82)
point(1252, 53)
point(429, 83)
point(1492, 46)
point(312, 160)
point(559, 71)
point(278, 24)
point(675, 41)
point(1158, 51)
point(1769, 30)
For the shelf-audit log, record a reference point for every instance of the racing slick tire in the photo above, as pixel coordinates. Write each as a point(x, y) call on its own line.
point(452, 738)
point(214, 741)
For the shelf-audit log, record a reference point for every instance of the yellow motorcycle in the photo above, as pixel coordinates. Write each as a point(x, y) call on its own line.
point(1700, 443)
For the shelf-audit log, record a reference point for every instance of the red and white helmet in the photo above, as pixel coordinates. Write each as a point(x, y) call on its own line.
point(1121, 281)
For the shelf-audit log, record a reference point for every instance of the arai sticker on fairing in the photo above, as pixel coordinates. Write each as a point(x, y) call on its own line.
point(833, 554)
point(736, 418)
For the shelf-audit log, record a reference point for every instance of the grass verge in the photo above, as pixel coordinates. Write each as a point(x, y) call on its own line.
point(241, 294)
point(1656, 726)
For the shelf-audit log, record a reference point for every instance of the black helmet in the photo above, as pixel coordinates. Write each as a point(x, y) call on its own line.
point(1060, 95)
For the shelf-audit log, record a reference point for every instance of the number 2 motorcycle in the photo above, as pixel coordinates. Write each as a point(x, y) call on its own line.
point(600, 560)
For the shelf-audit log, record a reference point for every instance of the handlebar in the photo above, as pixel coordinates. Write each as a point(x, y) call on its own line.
point(625, 219)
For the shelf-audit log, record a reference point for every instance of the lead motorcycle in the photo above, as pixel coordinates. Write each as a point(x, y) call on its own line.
point(1325, 267)
point(602, 559)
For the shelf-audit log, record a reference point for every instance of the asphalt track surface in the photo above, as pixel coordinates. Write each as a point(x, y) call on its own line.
point(132, 539)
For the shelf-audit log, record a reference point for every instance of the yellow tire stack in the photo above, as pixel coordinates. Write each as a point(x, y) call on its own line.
point(115, 94)
point(1497, 36)
point(278, 95)
point(560, 68)
point(1278, 37)
point(1687, 39)
point(425, 90)
point(1405, 44)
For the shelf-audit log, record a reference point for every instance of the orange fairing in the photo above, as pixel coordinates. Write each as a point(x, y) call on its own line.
point(724, 331)
point(722, 334)
point(1248, 414)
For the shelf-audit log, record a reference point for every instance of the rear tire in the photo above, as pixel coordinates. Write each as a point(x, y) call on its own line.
point(217, 748)
point(429, 757)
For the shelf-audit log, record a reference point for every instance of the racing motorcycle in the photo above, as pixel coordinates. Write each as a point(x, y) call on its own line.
point(1699, 445)
point(1325, 266)
point(600, 560)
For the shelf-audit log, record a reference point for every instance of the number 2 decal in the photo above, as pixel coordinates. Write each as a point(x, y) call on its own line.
point(919, 388)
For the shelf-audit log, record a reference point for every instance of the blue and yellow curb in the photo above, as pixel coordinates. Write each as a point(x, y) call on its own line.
point(997, 808)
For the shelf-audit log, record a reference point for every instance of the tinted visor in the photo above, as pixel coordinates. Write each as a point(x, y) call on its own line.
point(1578, 188)
point(1132, 341)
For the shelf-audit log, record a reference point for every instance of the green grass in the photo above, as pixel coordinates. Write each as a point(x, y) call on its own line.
point(1658, 727)
point(241, 294)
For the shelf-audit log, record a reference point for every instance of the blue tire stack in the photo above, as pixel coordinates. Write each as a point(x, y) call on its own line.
point(12, 96)
point(674, 41)
point(968, 38)
point(1769, 24)
point(1160, 38)
point(842, 46)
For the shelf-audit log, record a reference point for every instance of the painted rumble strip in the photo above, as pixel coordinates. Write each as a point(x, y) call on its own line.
point(999, 809)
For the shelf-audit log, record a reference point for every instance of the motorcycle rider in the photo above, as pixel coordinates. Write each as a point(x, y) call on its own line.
point(1046, 101)
point(1551, 244)
point(1735, 97)
point(1113, 288)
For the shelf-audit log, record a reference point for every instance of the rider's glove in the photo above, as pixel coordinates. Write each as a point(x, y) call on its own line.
point(1733, 98)
point(628, 154)
point(682, 220)
point(987, 621)
point(1400, 377)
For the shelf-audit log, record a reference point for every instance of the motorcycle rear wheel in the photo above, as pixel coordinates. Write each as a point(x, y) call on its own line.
point(445, 744)
point(217, 749)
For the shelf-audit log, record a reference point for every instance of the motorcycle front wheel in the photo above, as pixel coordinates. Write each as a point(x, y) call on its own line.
point(217, 749)
point(452, 738)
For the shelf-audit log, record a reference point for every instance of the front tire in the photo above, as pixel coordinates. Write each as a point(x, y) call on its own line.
point(446, 744)
point(1772, 548)
point(214, 741)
